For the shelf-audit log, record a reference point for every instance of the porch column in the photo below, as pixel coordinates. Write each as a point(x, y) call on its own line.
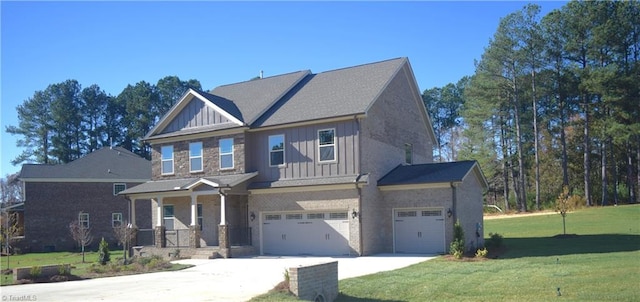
point(223, 229)
point(133, 213)
point(194, 228)
point(160, 230)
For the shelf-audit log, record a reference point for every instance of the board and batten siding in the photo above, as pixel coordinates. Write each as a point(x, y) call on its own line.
point(301, 152)
point(195, 114)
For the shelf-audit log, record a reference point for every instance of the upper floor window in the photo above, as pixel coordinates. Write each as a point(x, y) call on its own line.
point(83, 219)
point(226, 153)
point(195, 157)
point(408, 153)
point(167, 159)
point(116, 219)
point(327, 145)
point(276, 150)
point(119, 187)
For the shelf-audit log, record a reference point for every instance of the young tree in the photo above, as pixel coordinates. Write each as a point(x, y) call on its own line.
point(125, 233)
point(81, 234)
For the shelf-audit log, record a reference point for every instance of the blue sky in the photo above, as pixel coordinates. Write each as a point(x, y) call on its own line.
point(113, 44)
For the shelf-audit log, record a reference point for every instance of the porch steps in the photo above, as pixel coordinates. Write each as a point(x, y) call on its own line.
point(205, 253)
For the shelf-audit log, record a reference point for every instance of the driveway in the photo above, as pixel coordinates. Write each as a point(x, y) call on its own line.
point(234, 279)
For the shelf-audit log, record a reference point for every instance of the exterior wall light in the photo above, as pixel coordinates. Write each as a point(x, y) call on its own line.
point(252, 216)
point(354, 214)
point(449, 213)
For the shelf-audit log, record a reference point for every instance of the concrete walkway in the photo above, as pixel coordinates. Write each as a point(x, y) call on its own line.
point(235, 279)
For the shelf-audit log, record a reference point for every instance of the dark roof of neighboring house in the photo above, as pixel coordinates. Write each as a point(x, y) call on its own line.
point(116, 164)
point(431, 173)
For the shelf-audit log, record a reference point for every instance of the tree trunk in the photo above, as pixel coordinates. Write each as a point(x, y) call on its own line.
point(587, 155)
point(535, 138)
point(603, 169)
point(505, 165)
point(563, 142)
point(521, 175)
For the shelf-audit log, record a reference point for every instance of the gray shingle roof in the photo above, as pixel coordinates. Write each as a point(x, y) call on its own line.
point(428, 173)
point(103, 164)
point(335, 93)
point(254, 97)
point(183, 184)
point(283, 183)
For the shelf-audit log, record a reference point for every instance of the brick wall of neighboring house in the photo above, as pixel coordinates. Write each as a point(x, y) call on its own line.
point(211, 158)
point(51, 206)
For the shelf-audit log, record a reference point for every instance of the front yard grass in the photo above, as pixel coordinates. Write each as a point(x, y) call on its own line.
point(599, 261)
point(90, 269)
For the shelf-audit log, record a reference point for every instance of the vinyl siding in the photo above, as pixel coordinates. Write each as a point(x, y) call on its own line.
point(301, 152)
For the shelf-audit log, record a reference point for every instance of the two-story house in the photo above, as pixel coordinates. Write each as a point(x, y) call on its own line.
point(333, 163)
point(84, 190)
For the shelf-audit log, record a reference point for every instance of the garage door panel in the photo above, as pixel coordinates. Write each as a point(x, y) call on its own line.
point(306, 233)
point(419, 231)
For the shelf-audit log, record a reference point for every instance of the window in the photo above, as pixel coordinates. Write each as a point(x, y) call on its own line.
point(226, 153)
point(83, 218)
point(200, 216)
point(116, 219)
point(168, 216)
point(195, 157)
point(118, 187)
point(167, 159)
point(326, 144)
point(276, 150)
point(408, 153)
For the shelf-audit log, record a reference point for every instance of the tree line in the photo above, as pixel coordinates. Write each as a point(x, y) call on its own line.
point(64, 121)
point(554, 102)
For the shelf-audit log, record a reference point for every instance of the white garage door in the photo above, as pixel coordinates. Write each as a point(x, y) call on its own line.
point(419, 231)
point(305, 233)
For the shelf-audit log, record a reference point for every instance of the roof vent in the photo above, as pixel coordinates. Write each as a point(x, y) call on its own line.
point(108, 170)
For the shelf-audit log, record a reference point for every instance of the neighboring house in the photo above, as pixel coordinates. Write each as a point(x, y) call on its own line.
point(54, 195)
point(334, 163)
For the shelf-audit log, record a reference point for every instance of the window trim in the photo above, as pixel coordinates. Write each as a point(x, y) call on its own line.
point(163, 160)
point(408, 154)
point(334, 145)
point(115, 184)
point(81, 221)
point(220, 154)
point(191, 157)
point(172, 217)
point(272, 151)
point(199, 215)
point(113, 220)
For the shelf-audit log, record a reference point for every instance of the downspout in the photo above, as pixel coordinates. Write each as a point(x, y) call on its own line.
point(360, 244)
point(454, 202)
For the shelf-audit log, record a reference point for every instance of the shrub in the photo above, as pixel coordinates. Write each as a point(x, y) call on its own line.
point(482, 253)
point(64, 270)
point(103, 252)
point(457, 245)
point(495, 240)
point(35, 272)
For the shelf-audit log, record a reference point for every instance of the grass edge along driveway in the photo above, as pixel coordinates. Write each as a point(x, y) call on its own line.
point(600, 263)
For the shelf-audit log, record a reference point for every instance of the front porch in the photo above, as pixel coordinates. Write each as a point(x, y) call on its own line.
point(189, 214)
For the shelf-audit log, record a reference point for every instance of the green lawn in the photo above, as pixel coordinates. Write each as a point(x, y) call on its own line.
point(601, 263)
point(75, 259)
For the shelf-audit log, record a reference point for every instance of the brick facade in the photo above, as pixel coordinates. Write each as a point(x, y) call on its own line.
point(211, 158)
point(315, 282)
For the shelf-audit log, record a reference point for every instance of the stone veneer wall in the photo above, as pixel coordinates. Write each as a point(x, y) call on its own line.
point(315, 281)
